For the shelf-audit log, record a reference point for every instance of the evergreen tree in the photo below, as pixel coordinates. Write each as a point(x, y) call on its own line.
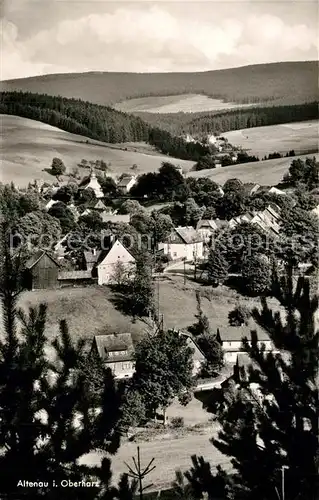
point(49, 415)
point(207, 342)
point(140, 298)
point(217, 267)
point(275, 425)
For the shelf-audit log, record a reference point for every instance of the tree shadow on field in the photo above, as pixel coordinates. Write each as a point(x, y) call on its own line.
point(237, 284)
point(120, 299)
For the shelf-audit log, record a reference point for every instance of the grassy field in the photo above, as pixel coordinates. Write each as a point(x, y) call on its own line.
point(186, 103)
point(28, 146)
point(268, 173)
point(260, 141)
point(169, 454)
point(91, 310)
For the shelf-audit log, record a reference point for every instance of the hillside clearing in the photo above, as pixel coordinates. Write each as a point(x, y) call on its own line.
point(302, 137)
point(267, 172)
point(28, 146)
point(185, 103)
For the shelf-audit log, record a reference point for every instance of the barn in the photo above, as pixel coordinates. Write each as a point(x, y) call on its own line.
point(41, 271)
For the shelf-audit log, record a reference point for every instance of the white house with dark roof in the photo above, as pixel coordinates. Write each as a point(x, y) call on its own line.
point(126, 183)
point(108, 259)
point(116, 352)
point(183, 243)
point(231, 340)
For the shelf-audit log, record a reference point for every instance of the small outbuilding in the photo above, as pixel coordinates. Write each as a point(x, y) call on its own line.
point(41, 271)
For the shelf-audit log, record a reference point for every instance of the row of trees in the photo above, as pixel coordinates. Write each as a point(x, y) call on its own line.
point(202, 123)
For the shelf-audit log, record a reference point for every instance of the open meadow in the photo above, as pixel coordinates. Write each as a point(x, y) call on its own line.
point(267, 172)
point(302, 137)
point(28, 146)
point(185, 103)
point(92, 310)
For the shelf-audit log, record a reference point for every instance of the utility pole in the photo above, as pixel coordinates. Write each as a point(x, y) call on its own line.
point(283, 481)
point(184, 270)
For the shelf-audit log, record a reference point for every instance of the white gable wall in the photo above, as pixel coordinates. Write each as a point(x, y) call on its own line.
point(118, 253)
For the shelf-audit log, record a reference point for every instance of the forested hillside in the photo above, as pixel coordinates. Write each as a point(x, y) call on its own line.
point(224, 121)
point(279, 83)
point(96, 122)
point(108, 125)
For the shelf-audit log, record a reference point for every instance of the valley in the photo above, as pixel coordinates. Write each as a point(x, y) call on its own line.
point(28, 146)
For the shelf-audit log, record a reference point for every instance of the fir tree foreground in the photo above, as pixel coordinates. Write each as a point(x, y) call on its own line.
point(268, 414)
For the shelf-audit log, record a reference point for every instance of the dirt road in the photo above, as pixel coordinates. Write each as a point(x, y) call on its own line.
point(169, 454)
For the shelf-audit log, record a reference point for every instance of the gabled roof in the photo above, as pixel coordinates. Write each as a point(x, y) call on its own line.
point(126, 180)
point(206, 223)
point(74, 275)
point(115, 342)
point(198, 354)
point(188, 234)
point(90, 257)
point(113, 249)
point(251, 187)
point(236, 333)
point(38, 256)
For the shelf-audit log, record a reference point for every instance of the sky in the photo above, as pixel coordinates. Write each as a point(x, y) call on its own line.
point(66, 36)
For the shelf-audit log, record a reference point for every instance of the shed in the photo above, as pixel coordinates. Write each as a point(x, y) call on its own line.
point(41, 271)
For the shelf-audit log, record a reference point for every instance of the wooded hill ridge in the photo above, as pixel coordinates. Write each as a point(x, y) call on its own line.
point(279, 83)
point(111, 126)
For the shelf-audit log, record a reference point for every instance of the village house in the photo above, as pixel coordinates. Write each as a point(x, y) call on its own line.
point(115, 218)
point(183, 243)
point(126, 182)
point(116, 352)
point(41, 271)
point(275, 190)
point(231, 337)
point(206, 228)
point(96, 206)
point(108, 259)
point(92, 182)
point(268, 220)
point(50, 204)
point(251, 188)
point(188, 138)
point(197, 356)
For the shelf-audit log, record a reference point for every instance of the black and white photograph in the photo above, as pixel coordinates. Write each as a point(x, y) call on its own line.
point(159, 228)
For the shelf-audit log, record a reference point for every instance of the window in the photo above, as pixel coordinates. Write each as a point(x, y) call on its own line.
point(174, 254)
